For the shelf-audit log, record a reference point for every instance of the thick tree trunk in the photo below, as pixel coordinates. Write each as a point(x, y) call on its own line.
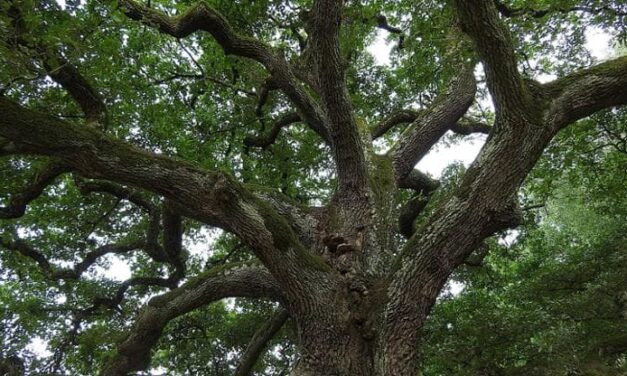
point(334, 351)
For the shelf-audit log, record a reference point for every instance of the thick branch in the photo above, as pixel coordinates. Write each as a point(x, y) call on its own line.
point(203, 17)
point(330, 68)
point(432, 124)
point(211, 197)
point(480, 20)
point(236, 280)
point(62, 72)
point(466, 128)
point(68, 76)
point(259, 342)
point(17, 204)
point(587, 91)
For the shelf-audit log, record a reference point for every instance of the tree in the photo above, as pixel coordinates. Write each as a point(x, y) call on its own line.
point(551, 303)
point(353, 245)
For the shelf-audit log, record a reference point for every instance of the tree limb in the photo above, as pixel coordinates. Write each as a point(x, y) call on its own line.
point(330, 69)
point(587, 91)
point(203, 17)
point(466, 128)
point(432, 124)
point(268, 139)
point(234, 280)
point(259, 342)
point(225, 203)
point(42, 179)
point(399, 117)
point(62, 72)
point(479, 19)
point(116, 190)
point(539, 13)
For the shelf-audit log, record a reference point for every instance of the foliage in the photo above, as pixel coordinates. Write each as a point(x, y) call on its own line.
point(553, 302)
point(548, 304)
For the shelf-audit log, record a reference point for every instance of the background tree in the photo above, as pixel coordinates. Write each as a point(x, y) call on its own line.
point(128, 128)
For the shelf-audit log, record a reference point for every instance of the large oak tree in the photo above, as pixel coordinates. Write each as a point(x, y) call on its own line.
point(133, 124)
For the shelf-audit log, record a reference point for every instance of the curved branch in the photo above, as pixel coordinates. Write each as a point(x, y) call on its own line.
point(399, 117)
point(203, 17)
point(259, 342)
point(223, 202)
point(18, 203)
point(509, 12)
point(268, 139)
point(432, 124)
point(382, 23)
point(18, 245)
point(586, 91)
point(264, 93)
point(234, 280)
point(116, 190)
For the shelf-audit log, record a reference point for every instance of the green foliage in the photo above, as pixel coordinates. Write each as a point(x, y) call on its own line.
point(553, 302)
point(186, 98)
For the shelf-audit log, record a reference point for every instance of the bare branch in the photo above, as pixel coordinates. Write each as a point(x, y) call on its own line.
point(235, 280)
point(382, 23)
point(116, 190)
point(399, 117)
point(259, 342)
point(20, 246)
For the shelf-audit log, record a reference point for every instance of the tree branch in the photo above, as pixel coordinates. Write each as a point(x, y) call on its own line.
point(539, 13)
point(62, 72)
point(259, 342)
point(42, 179)
point(234, 280)
point(268, 139)
point(479, 19)
point(203, 17)
point(225, 203)
point(467, 128)
point(399, 117)
point(330, 69)
point(432, 124)
point(116, 190)
point(587, 91)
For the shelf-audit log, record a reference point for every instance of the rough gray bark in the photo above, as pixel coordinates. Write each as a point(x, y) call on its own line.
point(358, 297)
